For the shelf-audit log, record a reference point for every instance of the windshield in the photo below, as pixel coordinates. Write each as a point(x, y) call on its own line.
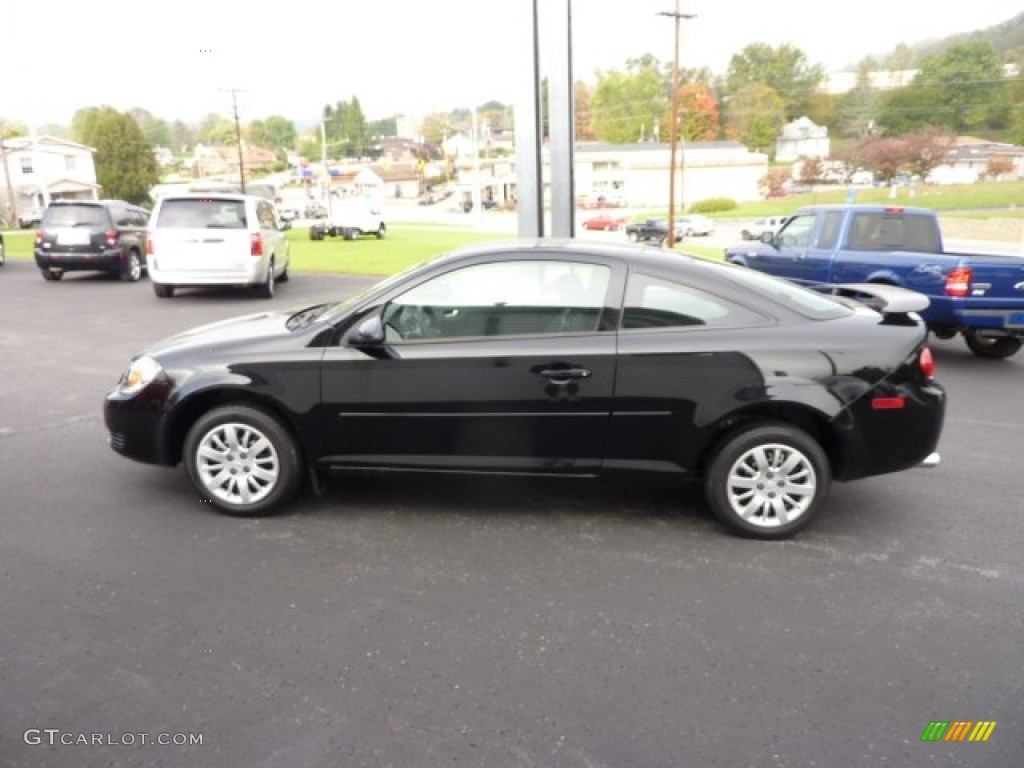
point(75, 216)
point(207, 213)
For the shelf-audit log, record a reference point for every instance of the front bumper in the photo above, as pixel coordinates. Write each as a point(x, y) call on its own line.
point(137, 425)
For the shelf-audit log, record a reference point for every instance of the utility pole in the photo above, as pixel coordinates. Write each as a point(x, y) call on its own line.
point(238, 136)
point(12, 199)
point(676, 16)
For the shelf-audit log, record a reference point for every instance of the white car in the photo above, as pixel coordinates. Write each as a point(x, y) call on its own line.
point(216, 239)
point(694, 224)
point(768, 224)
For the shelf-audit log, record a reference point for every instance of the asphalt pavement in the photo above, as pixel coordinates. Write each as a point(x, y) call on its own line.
point(426, 622)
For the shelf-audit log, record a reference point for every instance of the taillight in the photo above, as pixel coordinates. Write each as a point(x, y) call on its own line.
point(927, 363)
point(958, 281)
point(256, 245)
point(149, 243)
point(39, 237)
point(111, 237)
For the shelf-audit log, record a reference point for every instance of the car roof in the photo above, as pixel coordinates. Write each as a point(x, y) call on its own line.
point(547, 247)
point(213, 196)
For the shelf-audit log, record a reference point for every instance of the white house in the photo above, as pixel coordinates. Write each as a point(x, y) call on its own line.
point(39, 169)
point(802, 138)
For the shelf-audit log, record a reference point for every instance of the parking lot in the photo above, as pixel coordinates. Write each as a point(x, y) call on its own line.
point(426, 621)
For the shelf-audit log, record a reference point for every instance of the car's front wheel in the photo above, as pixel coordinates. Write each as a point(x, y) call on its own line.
point(633, 236)
point(381, 231)
point(992, 347)
point(163, 290)
point(242, 460)
point(768, 481)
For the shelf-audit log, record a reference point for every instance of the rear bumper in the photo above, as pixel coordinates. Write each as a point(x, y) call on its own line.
point(106, 260)
point(252, 274)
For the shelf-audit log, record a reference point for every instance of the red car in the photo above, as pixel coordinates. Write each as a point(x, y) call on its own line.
point(605, 222)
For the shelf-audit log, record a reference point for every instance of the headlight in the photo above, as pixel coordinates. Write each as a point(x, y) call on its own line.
point(142, 371)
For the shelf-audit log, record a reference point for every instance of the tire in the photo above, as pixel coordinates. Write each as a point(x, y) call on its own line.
point(52, 274)
point(350, 233)
point(315, 234)
point(748, 484)
point(163, 291)
point(266, 289)
point(242, 460)
point(3, 254)
point(284, 277)
point(992, 347)
point(381, 231)
point(133, 270)
point(633, 237)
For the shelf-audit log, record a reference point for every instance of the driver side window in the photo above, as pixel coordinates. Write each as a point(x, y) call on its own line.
point(798, 231)
point(506, 298)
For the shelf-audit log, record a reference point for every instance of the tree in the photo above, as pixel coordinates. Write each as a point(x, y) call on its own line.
point(858, 110)
point(909, 109)
point(756, 116)
point(885, 156)
point(964, 87)
point(216, 130)
point(698, 117)
point(626, 106)
point(182, 137)
point(998, 165)
point(775, 180)
point(11, 128)
point(125, 165)
point(812, 169)
point(153, 128)
point(927, 148)
point(347, 131)
point(582, 94)
point(784, 69)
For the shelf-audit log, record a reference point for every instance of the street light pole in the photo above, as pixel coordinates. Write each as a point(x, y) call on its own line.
point(676, 16)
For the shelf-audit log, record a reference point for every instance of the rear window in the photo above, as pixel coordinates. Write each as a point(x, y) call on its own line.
point(878, 231)
point(205, 213)
point(75, 216)
point(810, 304)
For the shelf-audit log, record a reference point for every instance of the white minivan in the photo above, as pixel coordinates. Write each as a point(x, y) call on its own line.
point(216, 239)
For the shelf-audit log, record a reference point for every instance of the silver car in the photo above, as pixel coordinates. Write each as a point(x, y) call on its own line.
point(216, 239)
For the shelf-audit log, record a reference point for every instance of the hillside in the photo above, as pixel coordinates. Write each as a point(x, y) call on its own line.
point(1007, 39)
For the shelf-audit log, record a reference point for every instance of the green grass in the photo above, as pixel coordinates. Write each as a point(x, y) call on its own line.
point(401, 248)
point(19, 244)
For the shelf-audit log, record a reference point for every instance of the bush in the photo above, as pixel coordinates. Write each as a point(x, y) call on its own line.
point(713, 205)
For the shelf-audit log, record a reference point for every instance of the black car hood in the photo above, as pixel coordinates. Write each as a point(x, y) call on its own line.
point(238, 331)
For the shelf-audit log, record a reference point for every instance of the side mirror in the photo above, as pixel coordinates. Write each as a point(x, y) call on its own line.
point(369, 333)
point(768, 238)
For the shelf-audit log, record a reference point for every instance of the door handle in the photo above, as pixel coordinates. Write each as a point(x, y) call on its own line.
point(562, 375)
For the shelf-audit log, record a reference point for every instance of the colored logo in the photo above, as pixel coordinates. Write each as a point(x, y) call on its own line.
point(958, 730)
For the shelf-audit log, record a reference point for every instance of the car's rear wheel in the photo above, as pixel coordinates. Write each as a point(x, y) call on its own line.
point(266, 289)
point(52, 274)
point(381, 231)
point(133, 269)
point(768, 481)
point(992, 347)
point(242, 460)
point(633, 236)
point(284, 276)
point(163, 290)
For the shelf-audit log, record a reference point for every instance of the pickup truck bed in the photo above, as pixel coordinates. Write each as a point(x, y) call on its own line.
point(979, 296)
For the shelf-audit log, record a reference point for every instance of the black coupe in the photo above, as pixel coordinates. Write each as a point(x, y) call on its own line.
point(549, 358)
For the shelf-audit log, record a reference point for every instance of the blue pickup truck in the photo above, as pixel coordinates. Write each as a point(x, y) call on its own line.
point(978, 296)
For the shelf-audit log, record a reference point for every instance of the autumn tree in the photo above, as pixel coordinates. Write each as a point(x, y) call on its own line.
point(927, 148)
point(584, 117)
point(784, 69)
point(698, 117)
point(998, 165)
point(125, 165)
point(885, 156)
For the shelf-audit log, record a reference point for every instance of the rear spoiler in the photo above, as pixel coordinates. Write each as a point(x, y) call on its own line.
point(889, 300)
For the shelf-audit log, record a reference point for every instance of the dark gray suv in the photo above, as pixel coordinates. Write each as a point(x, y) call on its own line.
point(95, 235)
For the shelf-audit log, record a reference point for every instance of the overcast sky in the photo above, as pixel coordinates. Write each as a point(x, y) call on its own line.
point(410, 56)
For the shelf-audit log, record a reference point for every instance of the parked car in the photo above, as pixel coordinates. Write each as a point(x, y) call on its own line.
point(547, 358)
point(757, 229)
point(217, 239)
point(694, 224)
point(350, 221)
point(980, 296)
point(652, 231)
point(3, 253)
point(92, 235)
point(606, 222)
point(30, 217)
point(314, 211)
point(287, 213)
